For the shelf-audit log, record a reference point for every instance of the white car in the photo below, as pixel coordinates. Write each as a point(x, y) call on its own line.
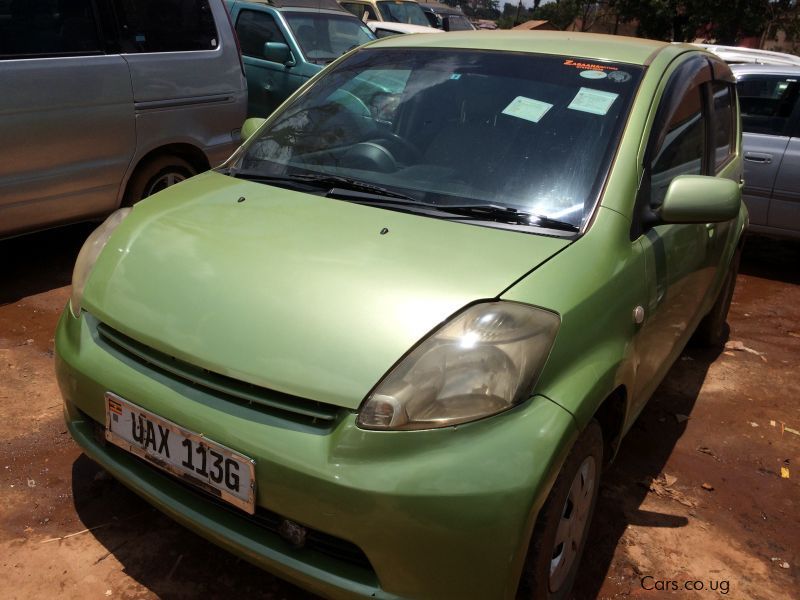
point(735, 55)
point(384, 29)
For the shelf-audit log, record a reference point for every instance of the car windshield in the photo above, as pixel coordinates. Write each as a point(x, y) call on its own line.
point(324, 37)
point(458, 23)
point(515, 131)
point(403, 12)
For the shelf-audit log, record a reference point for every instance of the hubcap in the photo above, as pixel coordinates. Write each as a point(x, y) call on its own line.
point(572, 524)
point(162, 182)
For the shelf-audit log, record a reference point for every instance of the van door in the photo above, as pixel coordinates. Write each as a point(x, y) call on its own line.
point(66, 117)
point(269, 83)
point(188, 84)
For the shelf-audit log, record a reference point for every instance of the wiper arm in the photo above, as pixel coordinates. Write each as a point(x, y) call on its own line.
point(505, 214)
point(336, 186)
point(347, 183)
point(335, 183)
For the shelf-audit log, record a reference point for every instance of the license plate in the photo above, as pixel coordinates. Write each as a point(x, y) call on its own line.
point(216, 469)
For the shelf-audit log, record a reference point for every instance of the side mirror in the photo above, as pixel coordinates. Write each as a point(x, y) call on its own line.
point(250, 127)
point(700, 199)
point(278, 52)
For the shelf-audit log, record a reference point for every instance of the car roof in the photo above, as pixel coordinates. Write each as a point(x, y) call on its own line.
point(751, 69)
point(316, 4)
point(737, 55)
point(580, 45)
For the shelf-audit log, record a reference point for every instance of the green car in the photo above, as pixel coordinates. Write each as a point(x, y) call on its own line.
point(387, 350)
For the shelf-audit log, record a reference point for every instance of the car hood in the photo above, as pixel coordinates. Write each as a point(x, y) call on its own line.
point(298, 293)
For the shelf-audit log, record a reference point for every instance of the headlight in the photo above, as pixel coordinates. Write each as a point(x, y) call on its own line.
point(482, 362)
point(91, 249)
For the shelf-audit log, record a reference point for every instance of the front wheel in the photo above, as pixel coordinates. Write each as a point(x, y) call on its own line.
point(155, 175)
point(561, 529)
point(712, 330)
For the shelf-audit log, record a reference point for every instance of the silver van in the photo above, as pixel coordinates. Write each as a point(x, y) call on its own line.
point(769, 100)
point(108, 101)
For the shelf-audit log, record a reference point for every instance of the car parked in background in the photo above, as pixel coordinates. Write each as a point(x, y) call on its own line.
point(387, 350)
point(738, 55)
point(769, 100)
point(447, 18)
point(394, 11)
point(105, 102)
point(286, 42)
point(383, 29)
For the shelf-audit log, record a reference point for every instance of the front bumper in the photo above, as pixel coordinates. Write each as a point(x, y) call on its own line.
point(438, 514)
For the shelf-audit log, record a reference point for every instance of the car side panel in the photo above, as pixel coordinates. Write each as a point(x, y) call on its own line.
point(784, 210)
point(68, 137)
point(594, 284)
point(762, 158)
point(195, 97)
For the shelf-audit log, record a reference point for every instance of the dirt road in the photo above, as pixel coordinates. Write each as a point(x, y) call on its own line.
point(695, 500)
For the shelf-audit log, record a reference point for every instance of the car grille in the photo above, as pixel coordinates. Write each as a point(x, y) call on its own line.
point(298, 409)
point(267, 520)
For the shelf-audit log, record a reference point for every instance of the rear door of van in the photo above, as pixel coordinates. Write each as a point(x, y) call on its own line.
point(188, 80)
point(66, 117)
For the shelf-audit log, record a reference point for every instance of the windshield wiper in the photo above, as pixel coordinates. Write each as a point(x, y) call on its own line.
point(505, 214)
point(338, 182)
point(337, 186)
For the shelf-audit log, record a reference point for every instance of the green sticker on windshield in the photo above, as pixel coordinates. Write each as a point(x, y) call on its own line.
point(527, 108)
point(596, 102)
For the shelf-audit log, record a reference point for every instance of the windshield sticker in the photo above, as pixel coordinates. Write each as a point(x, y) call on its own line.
point(583, 66)
point(619, 76)
point(455, 76)
point(590, 74)
point(592, 101)
point(527, 108)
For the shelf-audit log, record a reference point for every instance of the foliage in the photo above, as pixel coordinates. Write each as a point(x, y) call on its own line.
point(724, 21)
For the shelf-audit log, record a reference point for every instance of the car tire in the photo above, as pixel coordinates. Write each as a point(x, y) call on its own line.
point(562, 525)
point(155, 175)
point(712, 330)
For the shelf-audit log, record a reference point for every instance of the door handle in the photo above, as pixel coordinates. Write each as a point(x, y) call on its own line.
point(758, 157)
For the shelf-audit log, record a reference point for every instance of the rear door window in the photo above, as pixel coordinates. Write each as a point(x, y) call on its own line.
point(766, 103)
point(165, 26)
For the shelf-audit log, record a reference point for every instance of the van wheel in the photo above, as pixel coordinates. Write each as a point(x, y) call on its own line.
point(155, 175)
point(563, 523)
point(711, 331)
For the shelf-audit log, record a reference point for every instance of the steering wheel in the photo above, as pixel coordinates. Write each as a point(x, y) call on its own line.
point(408, 148)
point(351, 102)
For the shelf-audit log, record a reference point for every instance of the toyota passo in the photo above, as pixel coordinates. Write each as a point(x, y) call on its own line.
point(388, 349)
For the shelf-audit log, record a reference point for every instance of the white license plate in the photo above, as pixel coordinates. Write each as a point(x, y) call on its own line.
point(218, 470)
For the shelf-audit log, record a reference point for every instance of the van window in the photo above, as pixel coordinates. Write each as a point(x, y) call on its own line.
point(256, 29)
point(47, 27)
point(165, 25)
